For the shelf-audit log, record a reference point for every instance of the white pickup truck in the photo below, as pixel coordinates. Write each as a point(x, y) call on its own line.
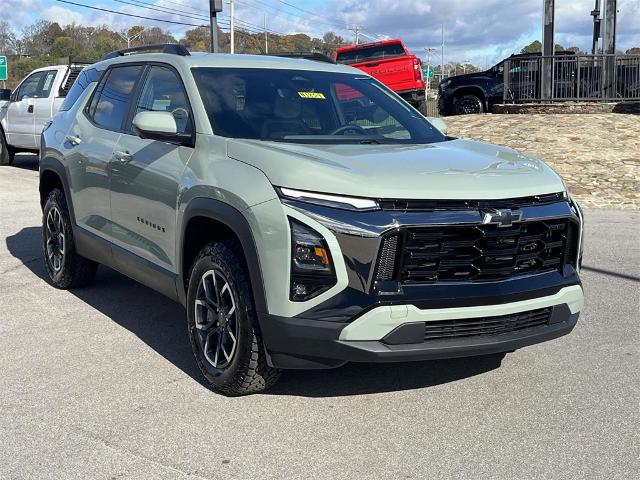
point(34, 101)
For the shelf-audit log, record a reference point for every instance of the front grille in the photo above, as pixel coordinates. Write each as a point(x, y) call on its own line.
point(475, 253)
point(467, 327)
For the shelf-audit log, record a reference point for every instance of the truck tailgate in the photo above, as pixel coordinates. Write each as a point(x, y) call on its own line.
point(397, 73)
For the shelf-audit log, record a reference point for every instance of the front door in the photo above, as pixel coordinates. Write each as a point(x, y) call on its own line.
point(90, 144)
point(146, 174)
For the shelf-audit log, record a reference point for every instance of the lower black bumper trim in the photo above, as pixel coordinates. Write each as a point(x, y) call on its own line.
point(295, 343)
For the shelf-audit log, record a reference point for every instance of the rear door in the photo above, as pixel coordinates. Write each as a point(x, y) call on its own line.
point(90, 144)
point(43, 103)
point(21, 112)
point(146, 174)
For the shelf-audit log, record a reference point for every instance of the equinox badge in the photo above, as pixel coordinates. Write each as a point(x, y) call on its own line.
point(502, 218)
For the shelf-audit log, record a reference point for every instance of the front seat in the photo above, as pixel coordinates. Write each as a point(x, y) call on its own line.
point(286, 119)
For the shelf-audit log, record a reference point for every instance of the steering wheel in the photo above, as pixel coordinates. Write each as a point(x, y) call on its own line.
point(345, 128)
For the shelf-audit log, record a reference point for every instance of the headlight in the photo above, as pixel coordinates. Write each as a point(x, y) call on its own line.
point(312, 271)
point(329, 200)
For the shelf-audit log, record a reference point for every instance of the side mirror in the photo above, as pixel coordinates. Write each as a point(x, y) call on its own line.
point(158, 126)
point(5, 94)
point(439, 124)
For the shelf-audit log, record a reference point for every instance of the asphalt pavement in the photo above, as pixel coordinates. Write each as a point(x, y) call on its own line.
point(99, 383)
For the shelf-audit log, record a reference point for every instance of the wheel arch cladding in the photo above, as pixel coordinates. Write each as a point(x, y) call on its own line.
point(474, 90)
point(206, 220)
point(52, 175)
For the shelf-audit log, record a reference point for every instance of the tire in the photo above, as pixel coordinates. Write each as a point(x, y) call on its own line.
point(226, 342)
point(7, 154)
point(65, 268)
point(468, 104)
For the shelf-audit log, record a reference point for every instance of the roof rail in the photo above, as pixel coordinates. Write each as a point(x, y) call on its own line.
point(171, 48)
point(317, 56)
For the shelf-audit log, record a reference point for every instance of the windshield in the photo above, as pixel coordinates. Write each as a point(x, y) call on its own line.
point(308, 107)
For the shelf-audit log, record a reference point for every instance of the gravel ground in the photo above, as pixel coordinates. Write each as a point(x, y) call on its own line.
point(99, 383)
point(598, 155)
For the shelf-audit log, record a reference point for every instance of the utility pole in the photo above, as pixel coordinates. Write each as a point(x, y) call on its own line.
point(129, 38)
point(548, 49)
point(215, 6)
point(356, 31)
point(597, 19)
point(442, 52)
point(232, 28)
point(609, 48)
point(266, 35)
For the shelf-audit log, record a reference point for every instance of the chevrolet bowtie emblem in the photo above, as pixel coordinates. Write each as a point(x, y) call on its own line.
point(502, 218)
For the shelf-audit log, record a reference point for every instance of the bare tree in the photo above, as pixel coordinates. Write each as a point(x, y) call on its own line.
point(8, 40)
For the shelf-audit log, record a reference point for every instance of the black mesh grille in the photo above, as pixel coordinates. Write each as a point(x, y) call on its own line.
point(483, 252)
point(444, 329)
point(387, 262)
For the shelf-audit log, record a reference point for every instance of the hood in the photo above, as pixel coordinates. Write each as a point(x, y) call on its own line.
point(451, 170)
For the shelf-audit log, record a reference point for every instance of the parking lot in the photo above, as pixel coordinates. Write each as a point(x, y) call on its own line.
point(99, 383)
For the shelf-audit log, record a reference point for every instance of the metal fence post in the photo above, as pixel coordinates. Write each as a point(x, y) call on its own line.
point(506, 87)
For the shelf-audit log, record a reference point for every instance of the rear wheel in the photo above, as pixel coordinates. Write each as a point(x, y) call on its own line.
point(468, 104)
point(223, 326)
point(65, 268)
point(422, 107)
point(6, 152)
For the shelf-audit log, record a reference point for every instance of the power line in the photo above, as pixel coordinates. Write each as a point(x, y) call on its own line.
point(129, 14)
point(169, 11)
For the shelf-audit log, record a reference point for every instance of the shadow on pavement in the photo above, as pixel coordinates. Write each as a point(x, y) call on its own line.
point(159, 323)
point(26, 162)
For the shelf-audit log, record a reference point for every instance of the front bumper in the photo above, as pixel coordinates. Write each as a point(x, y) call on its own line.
point(304, 343)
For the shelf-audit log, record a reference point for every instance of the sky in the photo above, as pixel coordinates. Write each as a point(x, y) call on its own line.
point(482, 31)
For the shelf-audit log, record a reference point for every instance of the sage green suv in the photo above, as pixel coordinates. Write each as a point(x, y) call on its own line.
point(303, 214)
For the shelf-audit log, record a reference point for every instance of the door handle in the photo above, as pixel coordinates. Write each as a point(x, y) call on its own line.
point(30, 109)
point(372, 64)
point(123, 157)
point(73, 140)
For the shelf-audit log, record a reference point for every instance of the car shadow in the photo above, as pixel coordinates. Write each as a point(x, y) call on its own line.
point(159, 323)
point(28, 161)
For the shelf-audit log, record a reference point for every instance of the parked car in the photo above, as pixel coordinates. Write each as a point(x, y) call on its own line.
point(34, 101)
point(390, 62)
point(574, 77)
point(298, 228)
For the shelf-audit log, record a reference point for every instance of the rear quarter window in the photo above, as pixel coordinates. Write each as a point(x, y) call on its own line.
point(85, 78)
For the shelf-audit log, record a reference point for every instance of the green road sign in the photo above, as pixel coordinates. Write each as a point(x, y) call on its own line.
point(4, 69)
point(427, 73)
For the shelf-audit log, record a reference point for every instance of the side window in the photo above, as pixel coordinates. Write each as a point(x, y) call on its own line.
point(85, 78)
point(163, 92)
point(110, 102)
point(29, 87)
point(44, 89)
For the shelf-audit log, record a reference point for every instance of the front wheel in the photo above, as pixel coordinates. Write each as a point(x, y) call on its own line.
point(65, 268)
point(223, 326)
point(468, 104)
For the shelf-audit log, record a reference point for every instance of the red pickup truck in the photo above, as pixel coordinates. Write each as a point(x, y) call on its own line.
point(390, 62)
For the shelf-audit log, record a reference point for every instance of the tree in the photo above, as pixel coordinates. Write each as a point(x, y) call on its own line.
point(8, 41)
point(533, 47)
